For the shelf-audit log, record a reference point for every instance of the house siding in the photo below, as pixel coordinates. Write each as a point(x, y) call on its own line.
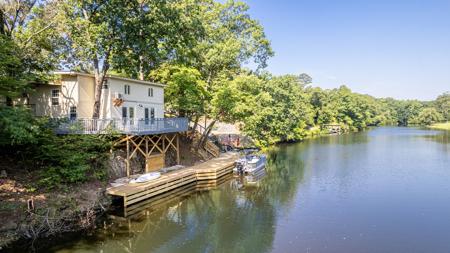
point(85, 106)
point(41, 99)
point(79, 90)
point(138, 99)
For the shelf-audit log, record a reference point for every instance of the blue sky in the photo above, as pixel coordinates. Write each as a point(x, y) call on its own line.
point(385, 48)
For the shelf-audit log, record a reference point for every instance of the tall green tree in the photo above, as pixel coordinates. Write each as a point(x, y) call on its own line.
point(93, 32)
point(442, 104)
point(31, 25)
point(13, 80)
point(280, 111)
point(232, 38)
point(158, 32)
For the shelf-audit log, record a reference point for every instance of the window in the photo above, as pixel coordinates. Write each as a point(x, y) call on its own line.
point(152, 113)
point(150, 92)
point(124, 112)
point(55, 97)
point(131, 112)
point(127, 89)
point(146, 114)
point(73, 112)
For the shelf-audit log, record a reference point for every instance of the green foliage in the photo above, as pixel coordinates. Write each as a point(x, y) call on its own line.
point(62, 159)
point(442, 104)
point(185, 93)
point(156, 32)
point(428, 116)
point(274, 109)
point(18, 126)
point(231, 37)
point(13, 81)
point(73, 159)
point(32, 26)
point(407, 111)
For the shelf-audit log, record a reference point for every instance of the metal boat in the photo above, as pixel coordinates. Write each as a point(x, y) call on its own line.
point(250, 164)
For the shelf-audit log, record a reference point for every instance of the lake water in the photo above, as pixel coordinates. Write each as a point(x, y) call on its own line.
point(384, 190)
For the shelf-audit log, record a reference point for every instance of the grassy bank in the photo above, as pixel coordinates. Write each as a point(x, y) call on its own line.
point(441, 126)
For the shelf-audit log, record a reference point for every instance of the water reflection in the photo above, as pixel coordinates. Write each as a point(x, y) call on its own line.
point(385, 190)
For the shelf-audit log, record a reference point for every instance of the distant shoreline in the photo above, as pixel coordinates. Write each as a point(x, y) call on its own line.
point(440, 126)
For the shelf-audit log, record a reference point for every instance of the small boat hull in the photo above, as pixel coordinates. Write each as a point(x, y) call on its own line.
point(146, 177)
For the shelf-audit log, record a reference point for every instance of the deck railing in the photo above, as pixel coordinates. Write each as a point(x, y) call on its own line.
point(125, 126)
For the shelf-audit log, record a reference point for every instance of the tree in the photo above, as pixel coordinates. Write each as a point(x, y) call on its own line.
point(428, 116)
point(185, 94)
point(442, 104)
point(157, 32)
point(14, 14)
point(305, 79)
point(231, 39)
point(407, 111)
point(31, 25)
point(280, 111)
point(93, 32)
point(323, 107)
point(13, 81)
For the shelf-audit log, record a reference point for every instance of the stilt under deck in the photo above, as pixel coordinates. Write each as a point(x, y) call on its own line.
point(209, 170)
point(152, 146)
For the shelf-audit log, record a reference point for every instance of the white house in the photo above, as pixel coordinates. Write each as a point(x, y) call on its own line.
point(72, 96)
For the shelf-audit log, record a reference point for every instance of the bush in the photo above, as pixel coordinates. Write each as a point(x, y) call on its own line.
point(60, 159)
point(74, 159)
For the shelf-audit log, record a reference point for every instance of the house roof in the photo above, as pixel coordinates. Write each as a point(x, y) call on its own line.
point(73, 73)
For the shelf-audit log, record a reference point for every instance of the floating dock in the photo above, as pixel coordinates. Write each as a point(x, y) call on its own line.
point(207, 171)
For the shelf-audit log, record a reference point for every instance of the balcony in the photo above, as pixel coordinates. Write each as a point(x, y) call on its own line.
point(122, 126)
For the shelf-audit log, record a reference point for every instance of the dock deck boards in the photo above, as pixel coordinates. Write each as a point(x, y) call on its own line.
point(209, 170)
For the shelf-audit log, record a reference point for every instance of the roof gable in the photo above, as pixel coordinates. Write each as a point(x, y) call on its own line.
point(73, 73)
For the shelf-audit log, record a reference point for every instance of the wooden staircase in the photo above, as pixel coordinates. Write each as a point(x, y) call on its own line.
point(210, 147)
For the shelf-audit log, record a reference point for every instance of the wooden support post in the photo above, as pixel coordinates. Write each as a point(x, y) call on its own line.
point(164, 144)
point(146, 146)
point(178, 148)
point(147, 155)
point(128, 157)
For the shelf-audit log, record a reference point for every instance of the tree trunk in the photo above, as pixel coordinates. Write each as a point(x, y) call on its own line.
point(100, 78)
point(197, 118)
point(2, 23)
point(141, 68)
point(98, 95)
point(205, 134)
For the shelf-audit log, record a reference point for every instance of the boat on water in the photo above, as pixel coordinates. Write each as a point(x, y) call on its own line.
point(250, 164)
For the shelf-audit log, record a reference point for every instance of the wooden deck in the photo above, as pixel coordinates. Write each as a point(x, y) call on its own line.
point(209, 170)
